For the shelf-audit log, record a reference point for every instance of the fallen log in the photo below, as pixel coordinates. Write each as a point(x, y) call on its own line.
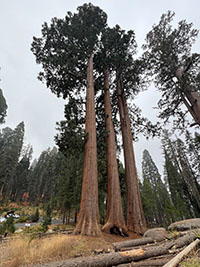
point(110, 259)
point(178, 258)
point(132, 243)
point(148, 263)
point(184, 240)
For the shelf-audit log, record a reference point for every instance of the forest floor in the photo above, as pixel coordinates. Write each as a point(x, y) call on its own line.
point(26, 251)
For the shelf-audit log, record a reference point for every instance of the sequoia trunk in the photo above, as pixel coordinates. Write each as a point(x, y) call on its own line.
point(115, 218)
point(135, 215)
point(190, 98)
point(88, 220)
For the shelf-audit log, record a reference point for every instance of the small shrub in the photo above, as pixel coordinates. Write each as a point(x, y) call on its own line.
point(10, 224)
point(23, 219)
point(2, 229)
point(47, 218)
point(35, 217)
point(7, 226)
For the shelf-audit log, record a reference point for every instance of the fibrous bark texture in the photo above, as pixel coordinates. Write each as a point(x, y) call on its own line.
point(135, 215)
point(88, 221)
point(115, 218)
point(190, 98)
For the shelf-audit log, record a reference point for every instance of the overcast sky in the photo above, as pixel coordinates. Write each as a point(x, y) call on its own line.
point(29, 100)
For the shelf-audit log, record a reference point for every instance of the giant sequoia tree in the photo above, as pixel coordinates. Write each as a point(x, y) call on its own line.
point(66, 51)
point(169, 58)
point(128, 83)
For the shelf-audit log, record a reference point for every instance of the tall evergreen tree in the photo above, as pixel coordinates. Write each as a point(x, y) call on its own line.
point(178, 188)
point(193, 152)
point(169, 59)
point(3, 107)
point(155, 192)
point(188, 176)
point(66, 51)
point(12, 142)
point(123, 65)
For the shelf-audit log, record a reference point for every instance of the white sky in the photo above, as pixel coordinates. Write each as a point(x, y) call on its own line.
point(29, 100)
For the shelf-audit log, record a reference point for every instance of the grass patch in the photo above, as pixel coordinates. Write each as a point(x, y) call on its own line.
point(192, 262)
point(22, 251)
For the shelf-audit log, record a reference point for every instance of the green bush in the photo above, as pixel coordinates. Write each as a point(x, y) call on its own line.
point(2, 229)
point(35, 217)
point(47, 218)
point(10, 224)
point(7, 226)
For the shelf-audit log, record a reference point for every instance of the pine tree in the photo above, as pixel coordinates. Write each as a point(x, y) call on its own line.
point(155, 195)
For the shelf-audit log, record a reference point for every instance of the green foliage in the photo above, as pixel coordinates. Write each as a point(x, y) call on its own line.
point(35, 217)
point(167, 52)
point(65, 46)
point(158, 208)
point(181, 178)
point(11, 142)
point(7, 226)
point(47, 217)
point(3, 107)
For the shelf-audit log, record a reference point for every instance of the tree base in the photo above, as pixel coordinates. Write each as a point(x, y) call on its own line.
point(88, 228)
point(111, 228)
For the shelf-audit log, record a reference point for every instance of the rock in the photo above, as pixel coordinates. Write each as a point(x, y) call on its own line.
point(50, 231)
point(18, 231)
point(158, 234)
point(185, 225)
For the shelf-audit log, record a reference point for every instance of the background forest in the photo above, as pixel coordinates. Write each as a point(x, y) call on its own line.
point(167, 61)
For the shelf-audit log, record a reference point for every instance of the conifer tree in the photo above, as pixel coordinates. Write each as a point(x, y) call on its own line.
point(178, 188)
point(12, 142)
point(169, 59)
point(66, 52)
point(155, 195)
point(3, 107)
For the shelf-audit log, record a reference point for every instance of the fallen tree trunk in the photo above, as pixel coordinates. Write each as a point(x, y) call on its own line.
point(185, 240)
point(148, 263)
point(132, 243)
point(177, 259)
point(110, 259)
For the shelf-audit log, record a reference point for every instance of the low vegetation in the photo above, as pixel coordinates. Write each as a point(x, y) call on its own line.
point(192, 261)
point(23, 251)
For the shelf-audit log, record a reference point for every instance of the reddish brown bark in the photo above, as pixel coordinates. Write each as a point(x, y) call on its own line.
point(135, 215)
point(190, 98)
point(115, 216)
point(88, 221)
